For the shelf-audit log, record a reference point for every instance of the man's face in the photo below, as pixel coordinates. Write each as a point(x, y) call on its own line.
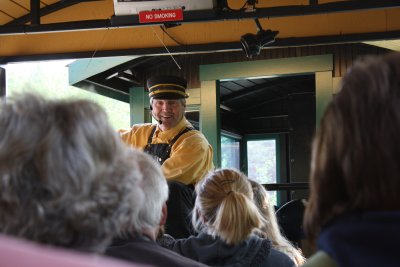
point(169, 111)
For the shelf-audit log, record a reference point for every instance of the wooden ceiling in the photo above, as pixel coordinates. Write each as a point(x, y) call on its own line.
point(78, 29)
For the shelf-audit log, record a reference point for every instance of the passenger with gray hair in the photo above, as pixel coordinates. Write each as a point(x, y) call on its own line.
point(66, 178)
point(139, 245)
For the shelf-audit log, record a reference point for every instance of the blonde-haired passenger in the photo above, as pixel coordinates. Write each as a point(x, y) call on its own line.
point(225, 217)
point(269, 226)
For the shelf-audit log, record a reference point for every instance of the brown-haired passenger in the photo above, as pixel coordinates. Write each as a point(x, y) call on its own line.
point(354, 206)
point(269, 225)
point(66, 178)
point(226, 217)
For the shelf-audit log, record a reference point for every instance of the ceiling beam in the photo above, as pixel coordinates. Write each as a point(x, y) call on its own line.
point(35, 12)
point(260, 87)
point(197, 16)
point(263, 103)
point(46, 10)
point(2, 82)
point(270, 12)
point(211, 48)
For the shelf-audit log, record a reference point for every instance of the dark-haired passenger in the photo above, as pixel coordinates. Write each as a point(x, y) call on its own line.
point(354, 206)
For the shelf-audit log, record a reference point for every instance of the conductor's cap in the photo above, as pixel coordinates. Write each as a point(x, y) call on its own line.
point(167, 87)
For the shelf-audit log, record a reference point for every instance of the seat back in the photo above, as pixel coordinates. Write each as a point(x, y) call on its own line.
point(17, 252)
point(290, 219)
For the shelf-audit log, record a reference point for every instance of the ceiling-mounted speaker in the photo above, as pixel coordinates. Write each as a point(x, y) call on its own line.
point(253, 43)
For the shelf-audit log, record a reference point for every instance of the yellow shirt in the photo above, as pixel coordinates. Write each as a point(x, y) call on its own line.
point(191, 156)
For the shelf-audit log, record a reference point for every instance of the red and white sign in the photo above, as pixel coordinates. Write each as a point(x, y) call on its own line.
point(160, 15)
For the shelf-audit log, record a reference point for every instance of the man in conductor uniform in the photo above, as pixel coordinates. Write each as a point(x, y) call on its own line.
point(183, 152)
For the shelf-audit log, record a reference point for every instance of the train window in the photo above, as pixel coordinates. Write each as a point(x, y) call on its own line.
point(230, 152)
point(50, 78)
point(262, 163)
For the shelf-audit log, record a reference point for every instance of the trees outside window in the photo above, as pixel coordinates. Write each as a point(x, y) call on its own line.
point(50, 78)
point(230, 153)
point(261, 163)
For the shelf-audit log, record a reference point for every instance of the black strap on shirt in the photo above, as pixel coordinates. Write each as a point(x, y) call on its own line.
point(161, 152)
point(181, 197)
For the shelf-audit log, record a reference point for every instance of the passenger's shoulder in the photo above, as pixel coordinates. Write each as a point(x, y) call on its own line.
point(179, 260)
point(277, 258)
point(166, 241)
point(319, 259)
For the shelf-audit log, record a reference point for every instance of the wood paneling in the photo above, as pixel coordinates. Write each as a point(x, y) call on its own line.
point(344, 55)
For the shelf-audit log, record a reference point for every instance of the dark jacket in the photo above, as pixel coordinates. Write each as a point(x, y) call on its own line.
point(366, 239)
point(143, 250)
point(252, 252)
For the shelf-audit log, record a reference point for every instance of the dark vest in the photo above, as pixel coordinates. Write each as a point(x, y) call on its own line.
point(161, 152)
